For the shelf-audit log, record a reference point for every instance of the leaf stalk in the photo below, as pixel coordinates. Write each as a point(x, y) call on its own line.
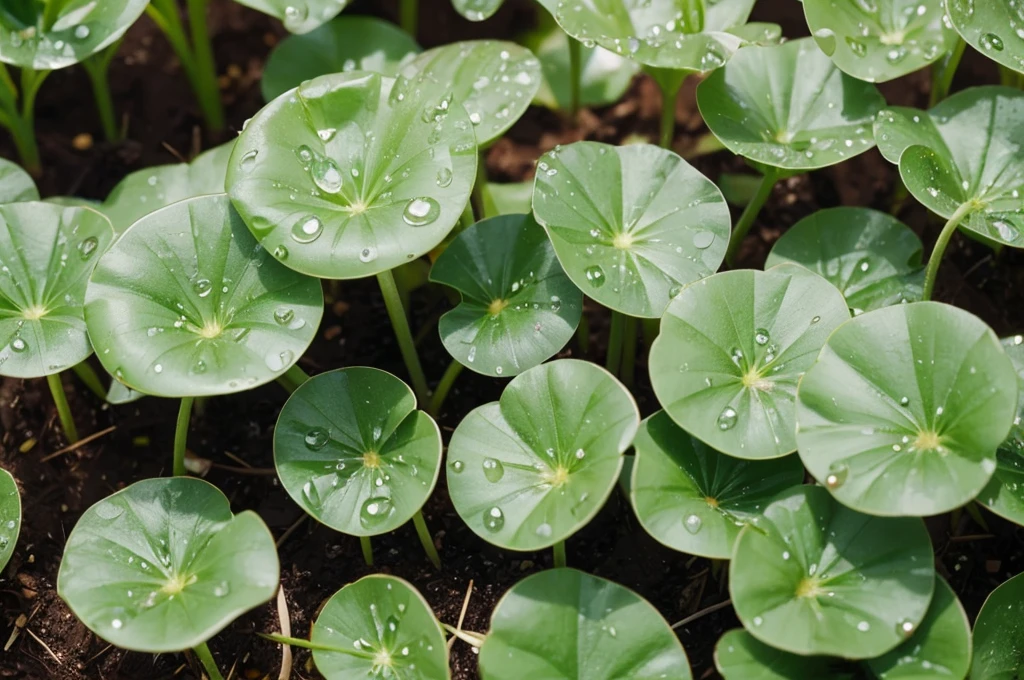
point(67, 422)
point(400, 323)
point(746, 221)
point(931, 272)
point(181, 436)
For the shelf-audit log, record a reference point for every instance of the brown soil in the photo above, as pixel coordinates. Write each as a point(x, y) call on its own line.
point(47, 642)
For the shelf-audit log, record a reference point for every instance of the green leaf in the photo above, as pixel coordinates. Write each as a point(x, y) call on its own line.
point(694, 499)
point(10, 516)
point(871, 257)
point(163, 565)
point(878, 40)
point(965, 150)
point(741, 656)
point(47, 253)
point(146, 191)
point(511, 199)
point(788, 106)
point(352, 174)
point(530, 470)
point(630, 224)
point(347, 43)
point(352, 450)
point(494, 81)
point(376, 619)
point(476, 10)
point(563, 624)
point(1004, 494)
point(299, 16)
point(814, 577)
point(904, 409)
point(16, 185)
point(187, 304)
point(518, 307)
point(31, 38)
point(996, 29)
point(999, 634)
point(119, 393)
point(731, 351)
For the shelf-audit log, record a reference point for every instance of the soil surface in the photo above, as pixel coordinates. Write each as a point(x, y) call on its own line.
point(43, 639)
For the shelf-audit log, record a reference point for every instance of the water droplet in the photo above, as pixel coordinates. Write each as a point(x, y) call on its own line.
point(863, 626)
point(420, 212)
point(82, 31)
point(703, 239)
point(248, 161)
point(595, 275)
point(905, 628)
point(761, 336)
point(494, 519)
point(281, 253)
point(580, 454)
point(444, 177)
point(311, 494)
point(493, 470)
point(307, 229)
point(858, 48)
point(202, 287)
point(544, 530)
point(374, 510)
point(727, 418)
point(837, 476)
point(221, 589)
point(368, 254)
point(19, 345)
point(279, 361)
point(326, 175)
point(904, 401)
point(693, 523)
point(326, 134)
point(116, 624)
point(317, 438)
point(816, 319)
point(758, 620)
point(305, 155)
point(108, 510)
point(158, 368)
point(284, 315)
point(896, 54)
point(87, 247)
point(991, 41)
point(457, 466)
point(199, 367)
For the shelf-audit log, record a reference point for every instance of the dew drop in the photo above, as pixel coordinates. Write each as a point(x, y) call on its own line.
point(311, 494)
point(858, 48)
point(991, 41)
point(544, 530)
point(703, 239)
point(761, 336)
point(221, 589)
point(595, 275)
point(493, 470)
point(374, 510)
point(727, 418)
point(202, 287)
point(368, 254)
point(326, 175)
point(248, 161)
point(87, 247)
point(693, 523)
point(284, 315)
point(419, 212)
point(837, 476)
point(457, 466)
point(19, 345)
point(307, 229)
point(116, 624)
point(863, 626)
point(494, 519)
point(317, 438)
point(905, 628)
point(82, 32)
point(108, 511)
point(444, 177)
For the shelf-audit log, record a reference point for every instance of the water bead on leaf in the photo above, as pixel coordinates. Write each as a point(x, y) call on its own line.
point(299, 16)
point(10, 517)
point(1004, 494)
point(996, 29)
point(998, 633)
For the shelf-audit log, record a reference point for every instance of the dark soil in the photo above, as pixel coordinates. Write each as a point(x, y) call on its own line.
point(234, 433)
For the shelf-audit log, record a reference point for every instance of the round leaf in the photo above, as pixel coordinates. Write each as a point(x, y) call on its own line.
point(694, 499)
point(518, 307)
point(563, 624)
point(187, 304)
point(904, 408)
point(631, 224)
point(788, 106)
point(741, 656)
point(529, 470)
point(352, 174)
point(871, 257)
point(965, 151)
point(1004, 494)
point(996, 29)
point(731, 350)
point(814, 577)
point(47, 253)
point(999, 634)
point(16, 185)
point(10, 516)
point(299, 16)
point(476, 10)
point(878, 40)
point(379, 618)
point(353, 451)
point(347, 43)
point(163, 565)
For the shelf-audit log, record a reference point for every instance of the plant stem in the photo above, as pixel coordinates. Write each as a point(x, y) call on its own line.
point(615, 343)
point(426, 539)
point(88, 376)
point(559, 550)
point(739, 232)
point(445, 386)
point(292, 379)
point(940, 247)
point(205, 66)
point(575, 74)
point(627, 369)
point(63, 410)
point(21, 121)
point(364, 543)
point(181, 436)
point(943, 71)
point(97, 67)
point(202, 651)
point(400, 323)
point(480, 198)
point(583, 334)
point(408, 16)
point(668, 115)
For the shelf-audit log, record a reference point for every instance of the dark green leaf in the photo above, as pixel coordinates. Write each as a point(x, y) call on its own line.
point(1004, 494)
point(741, 656)
point(996, 29)
point(16, 185)
point(999, 634)
point(10, 516)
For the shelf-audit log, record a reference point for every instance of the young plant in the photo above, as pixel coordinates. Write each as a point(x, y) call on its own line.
point(732, 350)
point(999, 634)
point(992, 28)
point(299, 16)
point(894, 421)
point(787, 109)
point(962, 160)
point(352, 450)
point(363, 198)
point(10, 516)
point(1004, 494)
point(186, 304)
point(163, 566)
point(47, 253)
point(16, 185)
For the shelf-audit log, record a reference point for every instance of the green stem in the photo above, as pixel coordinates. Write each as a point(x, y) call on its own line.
point(96, 69)
point(583, 334)
point(399, 321)
point(445, 386)
point(627, 369)
point(292, 379)
point(651, 328)
point(21, 121)
point(181, 436)
point(668, 113)
point(739, 232)
point(615, 343)
point(205, 66)
point(63, 410)
point(943, 72)
point(559, 550)
point(575, 75)
point(940, 247)
point(206, 658)
point(480, 198)
point(364, 543)
point(408, 16)
point(426, 539)
point(88, 376)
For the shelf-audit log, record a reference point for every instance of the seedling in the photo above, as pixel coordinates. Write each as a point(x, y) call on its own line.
point(731, 351)
point(872, 258)
point(1004, 494)
point(991, 28)
point(47, 253)
point(694, 499)
point(352, 450)
point(788, 109)
point(16, 185)
point(960, 159)
point(186, 304)
point(530, 470)
point(814, 577)
point(360, 199)
point(999, 633)
point(299, 16)
point(10, 516)
point(894, 422)
point(163, 566)
point(616, 633)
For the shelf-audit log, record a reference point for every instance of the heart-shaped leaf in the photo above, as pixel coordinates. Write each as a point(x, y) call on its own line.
point(694, 499)
point(732, 349)
point(630, 224)
point(347, 43)
point(1004, 494)
point(10, 516)
point(52, 34)
point(999, 634)
point(476, 10)
point(299, 16)
point(996, 29)
point(878, 40)
point(788, 106)
point(529, 470)
point(615, 633)
point(904, 409)
point(163, 565)
point(518, 307)
point(352, 450)
point(352, 174)
point(186, 303)
point(494, 80)
point(16, 185)
point(814, 577)
point(871, 257)
point(47, 253)
point(963, 152)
